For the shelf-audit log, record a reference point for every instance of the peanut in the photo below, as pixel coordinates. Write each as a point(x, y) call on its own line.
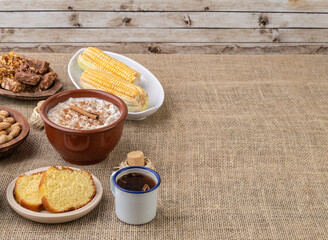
point(5, 139)
point(9, 128)
point(14, 131)
point(15, 124)
point(3, 132)
point(12, 127)
point(11, 120)
point(4, 125)
point(4, 113)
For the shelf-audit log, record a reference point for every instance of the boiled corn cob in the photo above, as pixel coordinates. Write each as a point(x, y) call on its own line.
point(96, 59)
point(135, 97)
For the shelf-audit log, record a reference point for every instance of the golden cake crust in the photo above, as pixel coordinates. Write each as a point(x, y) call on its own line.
point(43, 190)
point(23, 202)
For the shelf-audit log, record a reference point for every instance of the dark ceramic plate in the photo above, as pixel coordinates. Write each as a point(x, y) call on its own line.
point(7, 148)
point(56, 86)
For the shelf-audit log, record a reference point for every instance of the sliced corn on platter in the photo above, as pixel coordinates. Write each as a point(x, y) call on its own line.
point(96, 59)
point(108, 74)
point(134, 96)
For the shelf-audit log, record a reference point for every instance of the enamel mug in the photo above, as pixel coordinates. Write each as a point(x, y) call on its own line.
point(135, 207)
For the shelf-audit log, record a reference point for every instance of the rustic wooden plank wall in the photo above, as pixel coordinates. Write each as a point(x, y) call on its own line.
point(152, 26)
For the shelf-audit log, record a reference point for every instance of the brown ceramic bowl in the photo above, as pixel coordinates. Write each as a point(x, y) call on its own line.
point(10, 147)
point(83, 146)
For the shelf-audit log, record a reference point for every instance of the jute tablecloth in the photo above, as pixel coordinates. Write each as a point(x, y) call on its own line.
point(240, 143)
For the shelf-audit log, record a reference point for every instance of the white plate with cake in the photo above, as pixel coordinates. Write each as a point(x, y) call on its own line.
point(60, 211)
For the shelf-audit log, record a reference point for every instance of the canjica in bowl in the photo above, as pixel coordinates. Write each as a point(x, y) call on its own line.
point(80, 139)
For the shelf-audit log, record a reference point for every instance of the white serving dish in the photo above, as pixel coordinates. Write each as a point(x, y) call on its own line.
point(47, 217)
point(148, 82)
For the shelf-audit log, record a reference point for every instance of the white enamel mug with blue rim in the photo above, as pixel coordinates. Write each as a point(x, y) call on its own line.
point(135, 207)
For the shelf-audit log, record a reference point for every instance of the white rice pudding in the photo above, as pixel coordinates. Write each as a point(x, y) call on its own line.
point(64, 116)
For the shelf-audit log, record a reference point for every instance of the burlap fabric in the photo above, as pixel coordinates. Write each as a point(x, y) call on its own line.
point(240, 143)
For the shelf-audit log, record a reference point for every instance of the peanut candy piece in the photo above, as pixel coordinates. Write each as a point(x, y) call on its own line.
point(47, 80)
point(27, 78)
point(11, 60)
point(11, 85)
point(8, 63)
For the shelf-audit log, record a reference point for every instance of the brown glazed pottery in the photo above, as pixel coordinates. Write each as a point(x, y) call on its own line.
point(83, 146)
point(10, 147)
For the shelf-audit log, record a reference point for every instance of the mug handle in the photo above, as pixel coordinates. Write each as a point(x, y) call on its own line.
point(112, 187)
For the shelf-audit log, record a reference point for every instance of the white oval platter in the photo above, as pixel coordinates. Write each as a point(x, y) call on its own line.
point(148, 82)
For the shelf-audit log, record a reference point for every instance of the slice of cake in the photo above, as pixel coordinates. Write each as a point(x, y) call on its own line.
point(64, 189)
point(27, 191)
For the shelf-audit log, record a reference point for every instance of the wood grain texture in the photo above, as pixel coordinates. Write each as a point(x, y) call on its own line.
point(161, 20)
point(171, 5)
point(164, 35)
point(197, 26)
point(173, 48)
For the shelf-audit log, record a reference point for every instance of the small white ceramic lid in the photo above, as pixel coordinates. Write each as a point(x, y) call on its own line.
point(47, 217)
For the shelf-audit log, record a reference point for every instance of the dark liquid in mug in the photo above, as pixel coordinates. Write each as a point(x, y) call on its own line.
point(135, 181)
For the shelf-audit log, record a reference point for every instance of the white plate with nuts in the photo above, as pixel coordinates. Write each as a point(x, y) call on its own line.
point(14, 129)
